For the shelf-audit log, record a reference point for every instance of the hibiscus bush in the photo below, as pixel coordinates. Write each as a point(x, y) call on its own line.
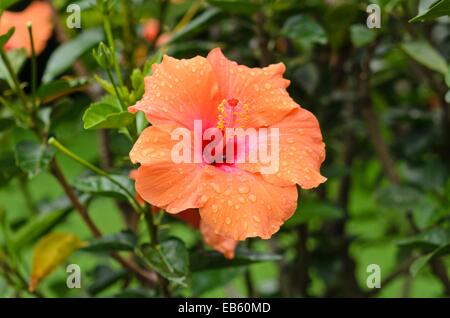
point(100, 105)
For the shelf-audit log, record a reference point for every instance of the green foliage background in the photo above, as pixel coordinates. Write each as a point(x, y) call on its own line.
point(382, 99)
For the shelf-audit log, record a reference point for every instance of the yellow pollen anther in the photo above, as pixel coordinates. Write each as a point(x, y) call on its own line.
point(232, 114)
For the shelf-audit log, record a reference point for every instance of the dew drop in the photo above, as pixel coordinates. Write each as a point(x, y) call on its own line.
point(228, 220)
point(204, 198)
point(215, 186)
point(243, 189)
point(252, 198)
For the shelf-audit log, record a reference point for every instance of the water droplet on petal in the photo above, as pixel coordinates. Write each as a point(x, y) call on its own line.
point(215, 186)
point(228, 220)
point(243, 189)
point(252, 198)
point(204, 198)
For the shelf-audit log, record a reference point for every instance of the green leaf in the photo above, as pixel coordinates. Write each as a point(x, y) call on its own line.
point(6, 175)
point(304, 30)
point(65, 55)
point(123, 241)
point(53, 90)
point(310, 210)
point(155, 59)
point(429, 239)
point(196, 25)
point(17, 57)
point(51, 251)
point(438, 9)
point(236, 6)
point(204, 281)
point(4, 4)
point(361, 35)
point(41, 224)
point(170, 259)
point(425, 54)
point(420, 262)
point(208, 260)
point(32, 157)
point(431, 175)
point(103, 186)
point(106, 113)
point(137, 83)
point(399, 198)
point(104, 277)
point(5, 37)
point(6, 124)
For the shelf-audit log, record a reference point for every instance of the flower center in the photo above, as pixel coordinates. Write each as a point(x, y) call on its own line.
point(232, 114)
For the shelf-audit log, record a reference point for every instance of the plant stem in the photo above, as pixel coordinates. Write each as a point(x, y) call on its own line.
point(131, 129)
point(188, 16)
point(153, 233)
point(142, 274)
point(55, 143)
point(10, 272)
point(116, 90)
point(57, 173)
point(128, 33)
point(163, 4)
point(110, 39)
point(16, 82)
point(151, 227)
point(33, 66)
point(24, 188)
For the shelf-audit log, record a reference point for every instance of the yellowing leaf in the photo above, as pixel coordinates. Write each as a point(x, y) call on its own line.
point(52, 250)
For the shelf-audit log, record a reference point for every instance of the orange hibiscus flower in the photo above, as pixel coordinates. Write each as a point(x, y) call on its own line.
point(39, 13)
point(235, 200)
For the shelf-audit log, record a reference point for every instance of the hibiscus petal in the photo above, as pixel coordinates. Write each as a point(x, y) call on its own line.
point(160, 181)
point(239, 204)
point(180, 91)
point(173, 187)
point(262, 89)
point(39, 13)
point(301, 154)
point(224, 245)
point(154, 145)
point(190, 216)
